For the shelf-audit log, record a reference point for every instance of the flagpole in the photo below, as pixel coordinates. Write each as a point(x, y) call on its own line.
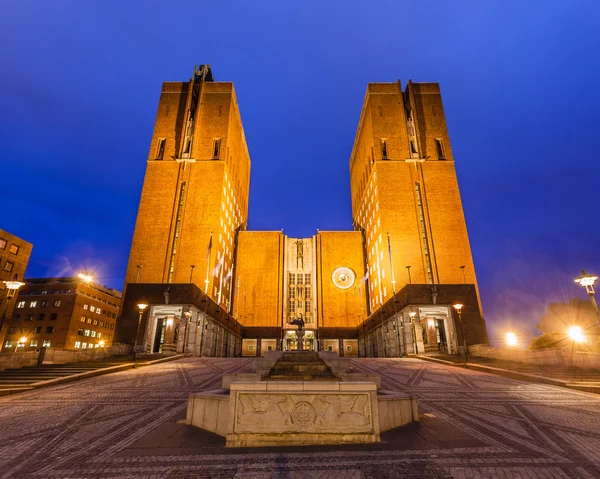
point(208, 264)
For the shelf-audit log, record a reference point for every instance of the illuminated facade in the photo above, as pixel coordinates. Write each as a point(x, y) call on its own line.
point(384, 289)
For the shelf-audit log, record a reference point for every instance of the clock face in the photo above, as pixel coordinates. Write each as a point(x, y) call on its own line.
point(343, 277)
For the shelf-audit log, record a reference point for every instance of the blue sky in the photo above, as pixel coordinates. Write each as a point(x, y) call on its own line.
point(80, 82)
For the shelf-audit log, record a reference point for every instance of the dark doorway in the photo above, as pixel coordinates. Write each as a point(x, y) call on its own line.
point(159, 335)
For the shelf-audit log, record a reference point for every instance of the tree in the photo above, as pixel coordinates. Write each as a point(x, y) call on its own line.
point(559, 316)
point(552, 340)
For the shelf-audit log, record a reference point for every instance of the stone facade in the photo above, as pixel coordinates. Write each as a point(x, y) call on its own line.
point(409, 230)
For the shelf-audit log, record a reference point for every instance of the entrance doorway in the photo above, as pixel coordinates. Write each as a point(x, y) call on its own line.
point(291, 341)
point(159, 335)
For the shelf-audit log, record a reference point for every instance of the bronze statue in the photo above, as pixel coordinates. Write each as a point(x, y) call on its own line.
point(298, 322)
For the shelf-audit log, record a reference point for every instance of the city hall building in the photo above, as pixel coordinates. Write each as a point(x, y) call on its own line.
point(387, 288)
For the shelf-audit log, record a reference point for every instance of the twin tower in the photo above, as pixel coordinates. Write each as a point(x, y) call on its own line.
point(384, 289)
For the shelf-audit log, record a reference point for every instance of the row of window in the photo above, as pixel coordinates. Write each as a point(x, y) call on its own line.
point(33, 344)
point(89, 332)
point(95, 322)
point(13, 249)
point(40, 317)
point(97, 310)
point(42, 304)
point(36, 330)
point(80, 345)
point(37, 292)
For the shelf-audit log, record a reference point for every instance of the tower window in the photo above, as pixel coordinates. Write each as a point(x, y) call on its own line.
point(188, 143)
point(384, 152)
point(216, 149)
point(413, 149)
point(160, 149)
point(439, 149)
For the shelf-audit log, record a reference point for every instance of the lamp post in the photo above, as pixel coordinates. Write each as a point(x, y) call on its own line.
point(587, 281)
point(188, 325)
point(11, 289)
point(141, 308)
point(459, 308)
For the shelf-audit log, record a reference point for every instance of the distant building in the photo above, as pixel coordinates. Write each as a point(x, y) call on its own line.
point(14, 257)
point(65, 313)
point(385, 289)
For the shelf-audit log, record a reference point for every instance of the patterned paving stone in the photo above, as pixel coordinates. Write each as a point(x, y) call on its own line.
point(128, 424)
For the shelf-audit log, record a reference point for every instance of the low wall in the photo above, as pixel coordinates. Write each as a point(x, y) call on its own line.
point(545, 357)
point(60, 356)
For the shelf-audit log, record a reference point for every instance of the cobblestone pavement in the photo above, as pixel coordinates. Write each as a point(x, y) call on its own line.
point(473, 425)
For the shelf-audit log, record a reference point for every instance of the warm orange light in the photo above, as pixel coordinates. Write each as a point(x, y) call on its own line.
point(23, 340)
point(101, 344)
point(576, 334)
point(88, 278)
point(511, 339)
point(142, 306)
point(458, 307)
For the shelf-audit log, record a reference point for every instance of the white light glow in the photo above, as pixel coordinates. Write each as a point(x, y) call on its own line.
point(576, 334)
point(511, 339)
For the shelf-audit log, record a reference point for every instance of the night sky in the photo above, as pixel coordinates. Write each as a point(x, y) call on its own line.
point(80, 82)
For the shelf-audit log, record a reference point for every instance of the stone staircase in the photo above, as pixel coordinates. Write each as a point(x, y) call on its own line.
point(300, 366)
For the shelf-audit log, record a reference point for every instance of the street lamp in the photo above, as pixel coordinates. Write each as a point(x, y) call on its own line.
point(587, 281)
point(101, 344)
point(459, 308)
point(141, 308)
point(11, 289)
point(511, 339)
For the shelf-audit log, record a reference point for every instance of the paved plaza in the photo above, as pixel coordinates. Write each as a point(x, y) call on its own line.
point(129, 424)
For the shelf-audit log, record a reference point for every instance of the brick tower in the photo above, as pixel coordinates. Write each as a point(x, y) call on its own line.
point(196, 185)
point(403, 183)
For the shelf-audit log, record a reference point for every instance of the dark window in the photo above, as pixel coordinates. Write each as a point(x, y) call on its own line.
point(37, 330)
point(12, 330)
point(80, 332)
point(216, 149)
point(16, 317)
point(43, 304)
point(41, 317)
point(413, 150)
point(14, 249)
point(53, 316)
point(29, 317)
point(384, 153)
point(160, 150)
point(8, 266)
point(440, 150)
point(49, 329)
point(188, 143)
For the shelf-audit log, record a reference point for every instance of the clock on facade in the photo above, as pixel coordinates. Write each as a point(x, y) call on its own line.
point(343, 277)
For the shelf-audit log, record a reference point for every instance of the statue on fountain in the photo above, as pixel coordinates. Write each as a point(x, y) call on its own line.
point(300, 333)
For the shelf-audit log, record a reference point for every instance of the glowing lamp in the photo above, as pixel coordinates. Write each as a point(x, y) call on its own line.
point(511, 339)
point(576, 334)
point(88, 278)
point(587, 281)
point(458, 307)
point(142, 307)
point(101, 344)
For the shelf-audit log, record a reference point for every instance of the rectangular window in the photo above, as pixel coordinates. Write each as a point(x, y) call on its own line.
point(41, 317)
point(83, 319)
point(16, 317)
point(160, 148)
point(413, 149)
point(33, 343)
point(292, 306)
point(2, 243)
point(98, 310)
point(216, 149)
point(53, 316)
point(8, 266)
point(89, 320)
point(46, 343)
point(384, 152)
point(56, 303)
point(12, 330)
point(49, 329)
point(33, 304)
point(77, 344)
point(307, 306)
point(8, 344)
point(21, 304)
point(37, 330)
point(87, 332)
point(14, 249)
point(93, 334)
point(85, 306)
point(80, 332)
point(43, 304)
point(439, 149)
point(29, 317)
point(99, 335)
point(93, 309)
